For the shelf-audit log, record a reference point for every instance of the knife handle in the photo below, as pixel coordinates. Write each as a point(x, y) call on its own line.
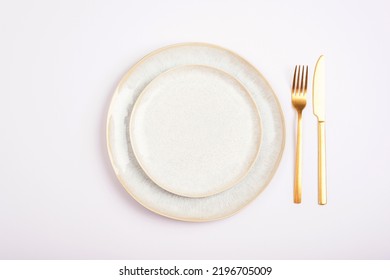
point(322, 196)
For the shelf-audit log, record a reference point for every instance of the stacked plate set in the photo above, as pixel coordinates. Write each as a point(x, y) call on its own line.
point(194, 132)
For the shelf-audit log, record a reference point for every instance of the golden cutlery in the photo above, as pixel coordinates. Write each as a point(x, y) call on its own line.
point(319, 111)
point(298, 98)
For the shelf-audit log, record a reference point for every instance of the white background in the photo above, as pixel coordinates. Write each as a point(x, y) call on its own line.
point(60, 62)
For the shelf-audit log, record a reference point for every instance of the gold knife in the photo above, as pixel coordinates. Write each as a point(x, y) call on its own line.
point(319, 111)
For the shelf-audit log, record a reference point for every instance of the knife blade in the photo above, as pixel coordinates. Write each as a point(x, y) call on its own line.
point(319, 89)
point(319, 111)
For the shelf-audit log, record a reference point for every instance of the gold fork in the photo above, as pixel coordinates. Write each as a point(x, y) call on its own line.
point(298, 98)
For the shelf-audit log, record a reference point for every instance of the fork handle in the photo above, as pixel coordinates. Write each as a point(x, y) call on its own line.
point(322, 196)
point(298, 162)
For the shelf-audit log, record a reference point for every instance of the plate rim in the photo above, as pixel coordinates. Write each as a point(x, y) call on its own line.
point(251, 162)
point(116, 93)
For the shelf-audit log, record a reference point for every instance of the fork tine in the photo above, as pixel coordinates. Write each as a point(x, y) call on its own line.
point(306, 78)
point(293, 89)
point(302, 84)
point(298, 81)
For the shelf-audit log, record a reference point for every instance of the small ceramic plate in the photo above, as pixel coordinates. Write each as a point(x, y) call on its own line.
point(137, 182)
point(195, 131)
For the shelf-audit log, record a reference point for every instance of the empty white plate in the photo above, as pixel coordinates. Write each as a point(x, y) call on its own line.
point(195, 130)
point(137, 182)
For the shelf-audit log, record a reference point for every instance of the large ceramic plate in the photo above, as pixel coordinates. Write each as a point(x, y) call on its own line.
point(137, 182)
point(195, 131)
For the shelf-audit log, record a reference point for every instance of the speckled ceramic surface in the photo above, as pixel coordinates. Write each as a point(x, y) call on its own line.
point(195, 131)
point(135, 180)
